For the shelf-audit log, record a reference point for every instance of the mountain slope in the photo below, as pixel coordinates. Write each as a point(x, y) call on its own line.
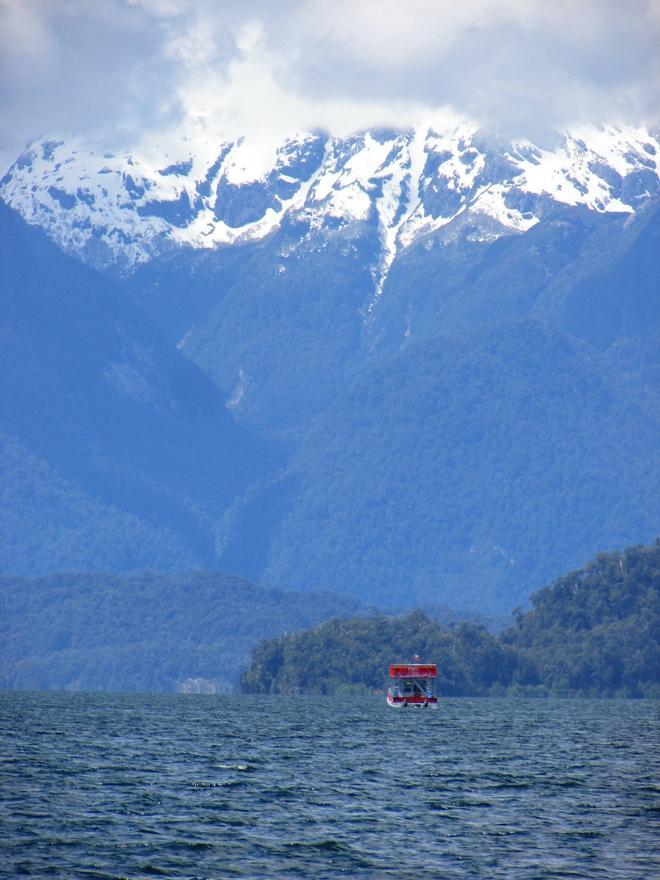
point(595, 630)
point(48, 522)
point(118, 415)
point(143, 632)
point(592, 275)
point(283, 261)
point(467, 472)
point(454, 337)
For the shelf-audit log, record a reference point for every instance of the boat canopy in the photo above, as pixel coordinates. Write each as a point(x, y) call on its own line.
point(413, 670)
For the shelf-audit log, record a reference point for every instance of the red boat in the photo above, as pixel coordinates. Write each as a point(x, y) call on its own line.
point(414, 684)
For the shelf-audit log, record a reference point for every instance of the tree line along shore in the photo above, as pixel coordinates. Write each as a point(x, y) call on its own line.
point(592, 633)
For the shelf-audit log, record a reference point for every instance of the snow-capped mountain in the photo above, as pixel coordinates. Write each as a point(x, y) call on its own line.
point(117, 211)
point(487, 426)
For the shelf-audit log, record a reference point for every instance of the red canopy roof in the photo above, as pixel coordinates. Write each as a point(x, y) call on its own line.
point(413, 670)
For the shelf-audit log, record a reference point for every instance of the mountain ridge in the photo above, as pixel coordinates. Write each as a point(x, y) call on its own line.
point(118, 211)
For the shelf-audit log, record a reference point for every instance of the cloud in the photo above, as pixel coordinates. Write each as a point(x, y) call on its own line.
point(513, 62)
point(122, 68)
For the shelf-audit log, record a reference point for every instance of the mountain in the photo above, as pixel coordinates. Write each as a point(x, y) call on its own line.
point(483, 466)
point(446, 343)
point(117, 452)
point(119, 210)
point(143, 632)
point(493, 422)
point(280, 263)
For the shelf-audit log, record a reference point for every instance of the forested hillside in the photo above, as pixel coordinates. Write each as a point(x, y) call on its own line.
point(468, 472)
point(144, 632)
point(594, 632)
point(488, 423)
point(116, 452)
point(597, 630)
point(352, 656)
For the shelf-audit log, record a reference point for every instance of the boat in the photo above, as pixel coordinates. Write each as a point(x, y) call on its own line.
point(413, 685)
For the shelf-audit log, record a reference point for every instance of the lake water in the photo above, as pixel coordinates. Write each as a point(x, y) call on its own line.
point(103, 786)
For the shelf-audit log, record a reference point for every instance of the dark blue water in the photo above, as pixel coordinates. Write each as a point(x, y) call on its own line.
point(217, 787)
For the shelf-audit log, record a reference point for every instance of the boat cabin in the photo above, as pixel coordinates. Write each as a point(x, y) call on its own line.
point(413, 684)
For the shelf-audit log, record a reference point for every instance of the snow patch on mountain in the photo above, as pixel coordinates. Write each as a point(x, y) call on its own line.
point(116, 211)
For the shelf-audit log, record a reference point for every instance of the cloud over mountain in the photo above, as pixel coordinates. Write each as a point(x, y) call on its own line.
point(122, 67)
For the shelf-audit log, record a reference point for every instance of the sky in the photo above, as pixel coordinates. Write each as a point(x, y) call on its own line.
point(119, 71)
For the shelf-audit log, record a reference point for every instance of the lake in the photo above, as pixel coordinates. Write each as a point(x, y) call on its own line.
point(109, 786)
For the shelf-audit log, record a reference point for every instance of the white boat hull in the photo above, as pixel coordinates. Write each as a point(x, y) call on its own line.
point(410, 704)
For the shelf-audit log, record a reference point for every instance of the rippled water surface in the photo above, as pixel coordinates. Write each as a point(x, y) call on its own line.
point(213, 787)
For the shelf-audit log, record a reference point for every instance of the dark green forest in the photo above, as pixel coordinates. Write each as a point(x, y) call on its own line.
point(143, 632)
point(596, 631)
point(593, 632)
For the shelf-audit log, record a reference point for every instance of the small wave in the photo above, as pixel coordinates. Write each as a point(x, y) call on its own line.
point(330, 847)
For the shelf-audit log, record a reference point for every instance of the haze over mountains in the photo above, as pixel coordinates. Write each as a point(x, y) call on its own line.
point(414, 366)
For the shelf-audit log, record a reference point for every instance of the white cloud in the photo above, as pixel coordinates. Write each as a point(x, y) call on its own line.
point(513, 62)
point(118, 69)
